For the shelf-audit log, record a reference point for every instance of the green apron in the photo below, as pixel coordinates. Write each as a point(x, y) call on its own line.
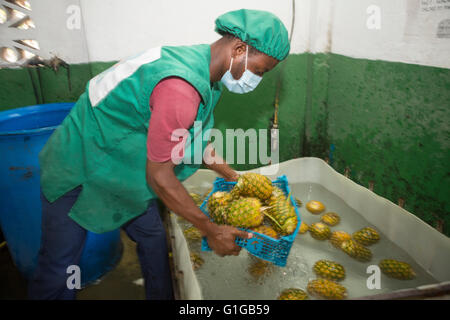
point(101, 144)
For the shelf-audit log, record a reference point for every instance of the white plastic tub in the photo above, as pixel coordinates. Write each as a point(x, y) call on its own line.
point(428, 247)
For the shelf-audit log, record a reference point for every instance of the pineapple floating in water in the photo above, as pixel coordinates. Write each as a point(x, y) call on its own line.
point(397, 269)
point(253, 185)
point(293, 294)
point(266, 230)
point(196, 260)
point(356, 250)
point(192, 234)
point(329, 270)
point(327, 289)
point(337, 237)
point(315, 207)
point(245, 213)
point(331, 218)
point(217, 204)
point(320, 231)
point(259, 268)
point(366, 236)
point(303, 228)
point(282, 215)
point(197, 198)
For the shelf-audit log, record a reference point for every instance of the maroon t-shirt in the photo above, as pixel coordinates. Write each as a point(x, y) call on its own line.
point(174, 104)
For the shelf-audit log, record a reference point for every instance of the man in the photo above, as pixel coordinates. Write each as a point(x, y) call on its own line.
point(96, 173)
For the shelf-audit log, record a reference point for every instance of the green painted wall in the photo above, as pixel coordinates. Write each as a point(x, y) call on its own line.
point(387, 122)
point(256, 109)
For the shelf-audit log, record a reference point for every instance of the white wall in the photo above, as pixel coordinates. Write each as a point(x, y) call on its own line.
point(113, 29)
point(120, 28)
point(408, 32)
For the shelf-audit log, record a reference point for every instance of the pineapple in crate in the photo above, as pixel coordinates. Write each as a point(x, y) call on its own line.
point(253, 185)
point(217, 205)
point(244, 205)
point(256, 204)
point(281, 214)
point(245, 213)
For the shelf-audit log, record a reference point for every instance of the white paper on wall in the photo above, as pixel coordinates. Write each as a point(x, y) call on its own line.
point(427, 20)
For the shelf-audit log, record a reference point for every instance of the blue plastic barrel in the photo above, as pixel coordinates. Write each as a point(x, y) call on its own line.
point(23, 133)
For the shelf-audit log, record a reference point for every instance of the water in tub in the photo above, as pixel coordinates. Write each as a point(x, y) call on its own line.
point(244, 277)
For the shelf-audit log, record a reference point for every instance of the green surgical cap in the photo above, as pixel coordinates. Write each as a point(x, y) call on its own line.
point(260, 29)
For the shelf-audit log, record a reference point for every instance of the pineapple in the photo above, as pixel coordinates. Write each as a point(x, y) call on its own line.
point(218, 199)
point(197, 199)
point(293, 294)
point(207, 192)
point(276, 192)
point(282, 215)
point(192, 234)
point(315, 207)
point(329, 270)
point(366, 236)
point(397, 269)
point(326, 289)
point(266, 230)
point(217, 204)
point(303, 228)
point(196, 260)
point(219, 215)
point(259, 268)
point(253, 185)
point(337, 237)
point(331, 218)
point(319, 231)
point(355, 250)
point(245, 213)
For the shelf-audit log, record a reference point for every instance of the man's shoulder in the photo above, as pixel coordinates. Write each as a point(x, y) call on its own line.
point(177, 86)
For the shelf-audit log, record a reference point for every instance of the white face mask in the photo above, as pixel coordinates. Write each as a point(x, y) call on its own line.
point(248, 81)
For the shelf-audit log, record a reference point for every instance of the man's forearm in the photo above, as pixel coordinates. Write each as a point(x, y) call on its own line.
point(216, 163)
point(170, 190)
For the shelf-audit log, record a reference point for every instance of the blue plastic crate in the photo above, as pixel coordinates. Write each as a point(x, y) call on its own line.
point(260, 245)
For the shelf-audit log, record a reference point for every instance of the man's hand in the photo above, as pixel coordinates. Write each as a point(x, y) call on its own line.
point(162, 179)
point(221, 240)
point(232, 177)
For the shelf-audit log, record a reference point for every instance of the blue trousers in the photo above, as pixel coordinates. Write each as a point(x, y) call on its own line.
point(62, 245)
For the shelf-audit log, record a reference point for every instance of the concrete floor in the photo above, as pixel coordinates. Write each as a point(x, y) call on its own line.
point(124, 282)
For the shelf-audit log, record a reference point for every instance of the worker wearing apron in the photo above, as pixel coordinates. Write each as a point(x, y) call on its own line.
point(113, 155)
